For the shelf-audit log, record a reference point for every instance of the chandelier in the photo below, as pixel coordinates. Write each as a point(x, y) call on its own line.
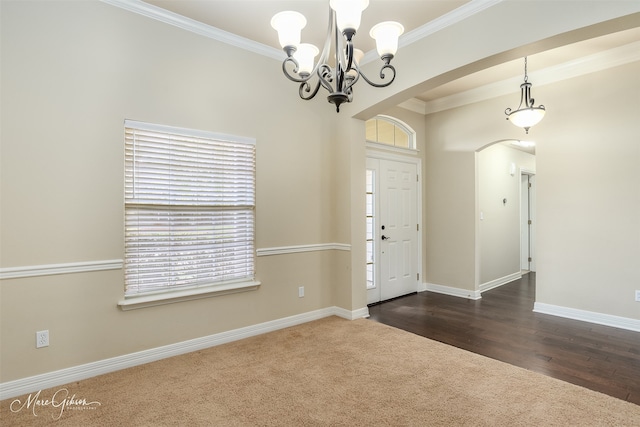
point(526, 115)
point(338, 80)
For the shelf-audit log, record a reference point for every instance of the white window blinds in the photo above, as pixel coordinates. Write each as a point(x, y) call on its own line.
point(189, 208)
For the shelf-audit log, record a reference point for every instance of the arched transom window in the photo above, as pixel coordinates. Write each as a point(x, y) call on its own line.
point(389, 131)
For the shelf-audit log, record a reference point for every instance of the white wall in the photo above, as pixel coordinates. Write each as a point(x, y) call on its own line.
point(499, 222)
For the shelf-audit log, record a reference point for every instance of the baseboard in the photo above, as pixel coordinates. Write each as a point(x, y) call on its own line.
point(64, 376)
point(351, 315)
point(588, 316)
point(499, 282)
point(456, 292)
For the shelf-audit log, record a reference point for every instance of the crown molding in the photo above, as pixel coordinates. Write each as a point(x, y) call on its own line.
point(576, 68)
point(440, 23)
point(171, 18)
point(463, 12)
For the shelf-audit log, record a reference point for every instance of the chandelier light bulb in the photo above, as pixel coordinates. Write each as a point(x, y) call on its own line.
point(386, 35)
point(289, 25)
point(305, 55)
point(348, 14)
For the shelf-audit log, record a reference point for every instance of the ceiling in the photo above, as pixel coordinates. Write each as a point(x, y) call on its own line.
point(251, 19)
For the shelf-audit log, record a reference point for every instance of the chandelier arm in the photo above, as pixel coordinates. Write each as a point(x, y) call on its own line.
point(322, 61)
point(382, 76)
point(352, 79)
point(326, 77)
point(340, 60)
point(291, 77)
point(306, 87)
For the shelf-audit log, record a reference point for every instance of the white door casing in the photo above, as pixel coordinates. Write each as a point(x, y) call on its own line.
point(528, 221)
point(397, 258)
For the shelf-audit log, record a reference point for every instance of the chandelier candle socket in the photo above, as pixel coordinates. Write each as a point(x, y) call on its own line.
point(338, 80)
point(527, 114)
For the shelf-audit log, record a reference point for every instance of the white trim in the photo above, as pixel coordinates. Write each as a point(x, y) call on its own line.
point(440, 23)
point(588, 316)
point(372, 153)
point(415, 105)
point(63, 376)
point(171, 18)
point(67, 268)
point(170, 297)
point(417, 161)
point(501, 281)
point(153, 127)
point(351, 315)
point(391, 148)
point(117, 264)
point(454, 292)
point(303, 248)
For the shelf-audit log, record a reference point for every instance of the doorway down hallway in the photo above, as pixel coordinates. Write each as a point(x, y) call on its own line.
point(503, 326)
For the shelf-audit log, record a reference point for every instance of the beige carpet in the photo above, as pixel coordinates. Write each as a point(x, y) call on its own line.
point(330, 372)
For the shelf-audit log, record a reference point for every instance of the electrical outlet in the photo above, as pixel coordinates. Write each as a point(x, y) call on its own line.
point(301, 292)
point(42, 339)
point(637, 295)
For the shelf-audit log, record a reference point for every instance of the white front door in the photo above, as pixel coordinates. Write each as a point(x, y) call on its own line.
point(394, 230)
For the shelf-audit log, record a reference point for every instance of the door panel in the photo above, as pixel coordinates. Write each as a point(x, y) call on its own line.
point(398, 224)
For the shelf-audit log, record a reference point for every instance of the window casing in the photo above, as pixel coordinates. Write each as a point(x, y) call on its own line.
point(189, 210)
point(391, 132)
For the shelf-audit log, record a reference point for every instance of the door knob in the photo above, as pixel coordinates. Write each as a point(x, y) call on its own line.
point(385, 237)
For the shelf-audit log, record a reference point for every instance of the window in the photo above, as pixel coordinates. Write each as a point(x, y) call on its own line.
point(389, 131)
point(189, 210)
point(370, 202)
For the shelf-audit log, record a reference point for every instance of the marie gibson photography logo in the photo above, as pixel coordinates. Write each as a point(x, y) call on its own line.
point(60, 401)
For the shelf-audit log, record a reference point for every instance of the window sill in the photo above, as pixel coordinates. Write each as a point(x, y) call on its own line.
point(143, 301)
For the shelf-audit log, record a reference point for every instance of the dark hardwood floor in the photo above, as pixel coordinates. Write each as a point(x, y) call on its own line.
point(503, 326)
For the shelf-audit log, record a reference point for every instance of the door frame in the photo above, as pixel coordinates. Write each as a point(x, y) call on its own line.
point(397, 157)
point(530, 195)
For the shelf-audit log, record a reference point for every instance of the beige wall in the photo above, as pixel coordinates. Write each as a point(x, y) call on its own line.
point(588, 197)
point(72, 72)
point(588, 193)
